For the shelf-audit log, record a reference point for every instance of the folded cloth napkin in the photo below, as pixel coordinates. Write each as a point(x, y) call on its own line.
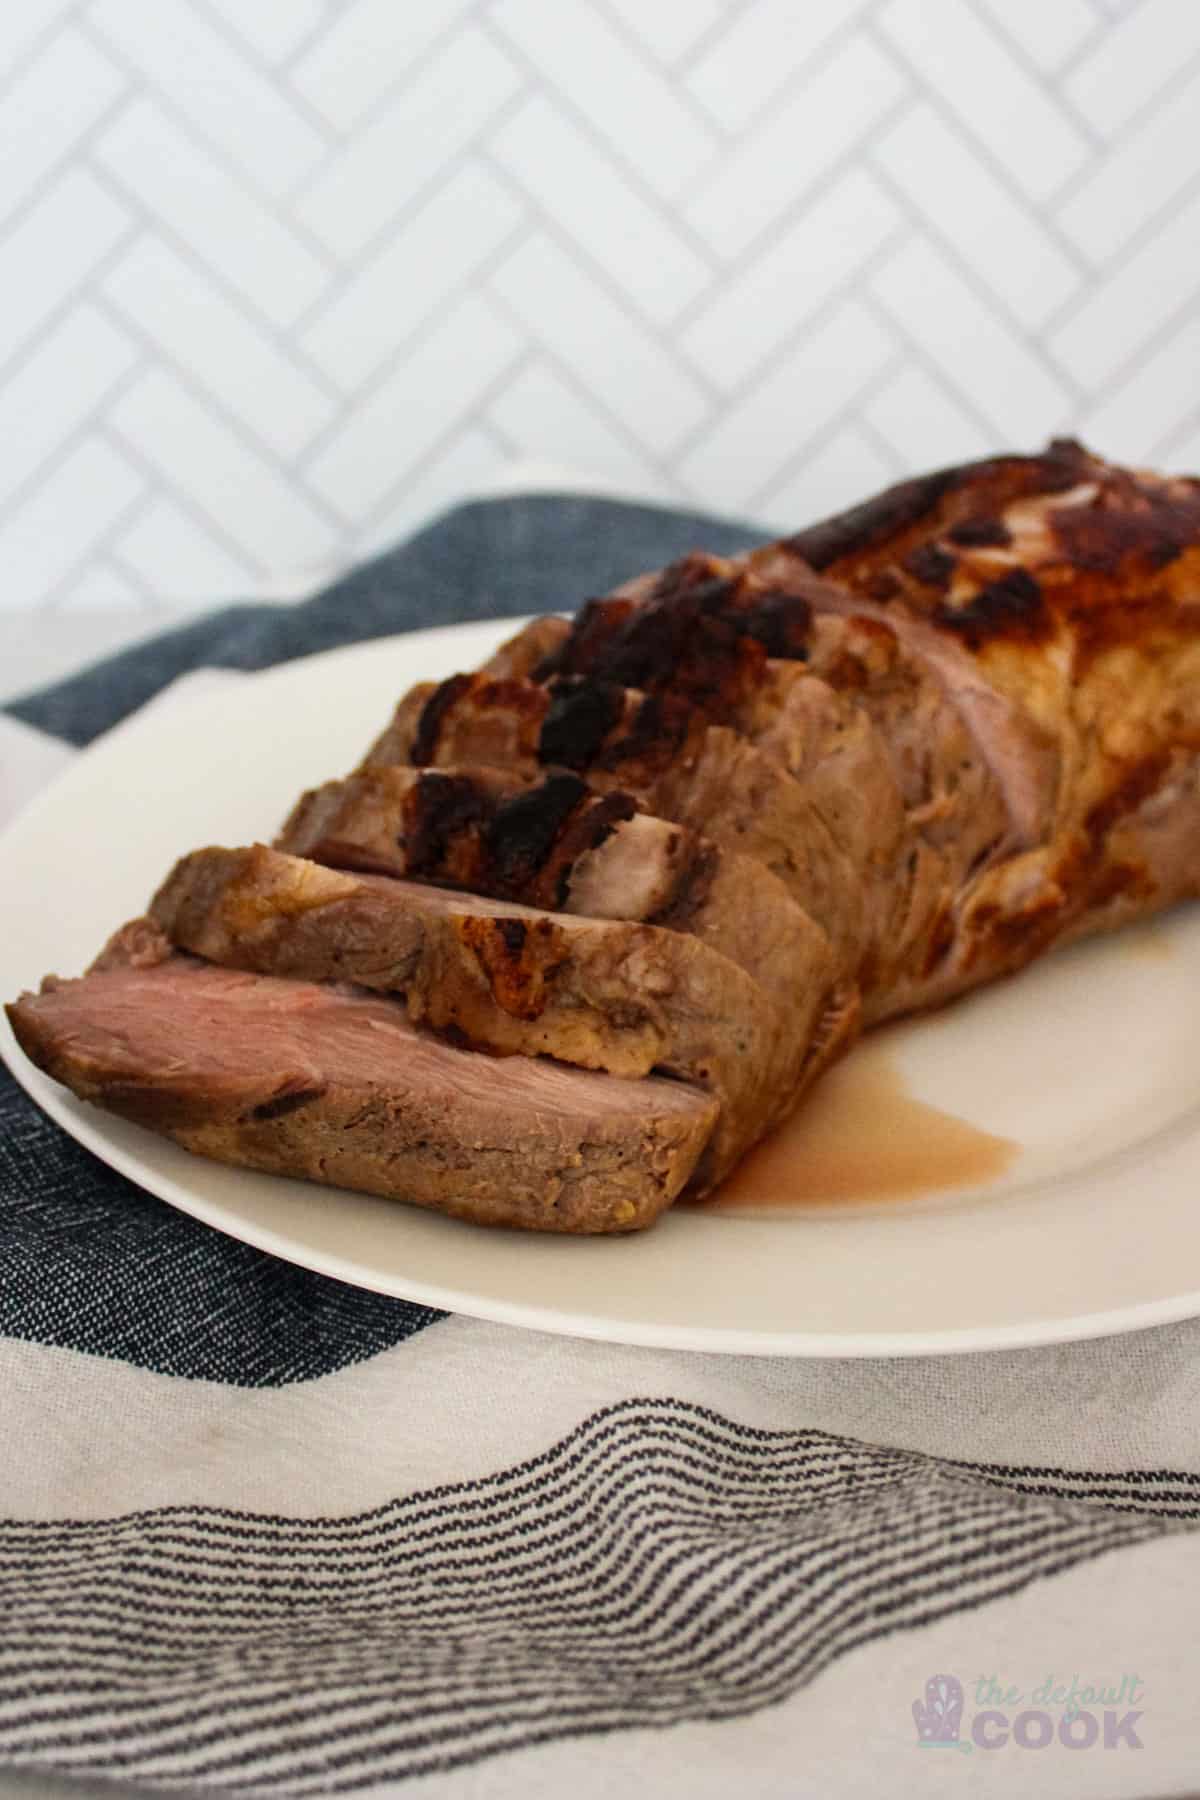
point(262, 1533)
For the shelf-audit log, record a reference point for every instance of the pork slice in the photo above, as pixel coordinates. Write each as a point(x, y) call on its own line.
point(627, 998)
point(661, 751)
point(907, 837)
point(847, 703)
point(337, 1086)
point(819, 736)
point(556, 843)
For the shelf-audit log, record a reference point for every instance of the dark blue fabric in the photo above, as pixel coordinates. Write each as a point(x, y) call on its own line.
point(89, 1261)
point(494, 559)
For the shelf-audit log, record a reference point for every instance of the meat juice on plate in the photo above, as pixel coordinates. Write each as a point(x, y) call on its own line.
point(860, 1136)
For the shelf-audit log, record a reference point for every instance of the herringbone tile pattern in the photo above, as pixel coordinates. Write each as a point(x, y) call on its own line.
point(282, 277)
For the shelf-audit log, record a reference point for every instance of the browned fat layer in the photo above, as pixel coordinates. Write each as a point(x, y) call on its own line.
point(979, 531)
point(1011, 606)
point(930, 565)
point(429, 725)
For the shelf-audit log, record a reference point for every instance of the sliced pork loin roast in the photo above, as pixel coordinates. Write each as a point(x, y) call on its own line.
point(624, 997)
point(334, 1084)
point(556, 843)
point(1067, 589)
point(664, 753)
point(1022, 634)
point(867, 727)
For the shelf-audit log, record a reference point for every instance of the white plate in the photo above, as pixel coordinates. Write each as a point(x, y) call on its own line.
point(1090, 1061)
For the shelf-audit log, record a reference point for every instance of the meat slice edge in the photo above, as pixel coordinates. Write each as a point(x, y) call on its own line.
point(627, 998)
point(335, 1085)
point(556, 843)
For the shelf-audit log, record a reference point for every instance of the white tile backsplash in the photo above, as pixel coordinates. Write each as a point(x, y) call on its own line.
point(279, 279)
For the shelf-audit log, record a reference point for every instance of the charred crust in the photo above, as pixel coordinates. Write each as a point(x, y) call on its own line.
point(429, 725)
point(862, 527)
point(1149, 530)
point(979, 531)
point(699, 634)
point(523, 831)
point(684, 575)
point(578, 719)
point(1011, 606)
point(513, 961)
point(658, 730)
point(900, 510)
point(438, 810)
point(513, 933)
point(930, 565)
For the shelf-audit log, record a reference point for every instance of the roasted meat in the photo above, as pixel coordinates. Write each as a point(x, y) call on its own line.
point(628, 998)
point(334, 1084)
point(699, 830)
point(559, 844)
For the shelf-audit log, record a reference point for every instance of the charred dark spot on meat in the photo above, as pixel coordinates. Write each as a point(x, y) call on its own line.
point(980, 531)
point(860, 528)
point(654, 736)
point(514, 933)
point(1012, 606)
point(287, 1102)
point(514, 962)
point(930, 565)
point(523, 831)
point(597, 626)
point(882, 585)
point(1134, 528)
point(579, 718)
point(867, 543)
point(703, 638)
point(429, 726)
point(686, 574)
point(440, 812)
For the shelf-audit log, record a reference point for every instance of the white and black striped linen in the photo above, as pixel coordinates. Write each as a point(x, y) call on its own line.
point(659, 1564)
